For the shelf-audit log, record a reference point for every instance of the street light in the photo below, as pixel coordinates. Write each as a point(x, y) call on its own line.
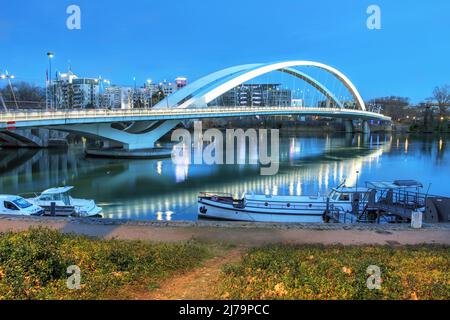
point(8, 76)
point(50, 56)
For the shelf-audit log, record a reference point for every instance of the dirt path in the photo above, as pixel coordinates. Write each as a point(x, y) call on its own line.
point(242, 234)
point(198, 284)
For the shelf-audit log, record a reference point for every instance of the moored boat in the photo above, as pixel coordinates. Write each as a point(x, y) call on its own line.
point(271, 208)
point(64, 204)
point(378, 202)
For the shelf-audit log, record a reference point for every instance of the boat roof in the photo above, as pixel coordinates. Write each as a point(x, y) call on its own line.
point(57, 190)
point(263, 197)
point(351, 189)
point(397, 184)
point(9, 197)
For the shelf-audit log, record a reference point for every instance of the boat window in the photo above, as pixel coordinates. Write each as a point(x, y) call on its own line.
point(51, 197)
point(10, 206)
point(45, 197)
point(336, 196)
point(344, 197)
point(66, 199)
point(22, 203)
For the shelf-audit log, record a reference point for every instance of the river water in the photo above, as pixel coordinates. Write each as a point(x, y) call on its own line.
point(162, 190)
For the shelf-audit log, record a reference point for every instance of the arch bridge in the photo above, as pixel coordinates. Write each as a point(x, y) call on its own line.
point(136, 129)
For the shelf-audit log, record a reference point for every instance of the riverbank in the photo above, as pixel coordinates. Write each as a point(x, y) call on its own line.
point(33, 265)
point(237, 233)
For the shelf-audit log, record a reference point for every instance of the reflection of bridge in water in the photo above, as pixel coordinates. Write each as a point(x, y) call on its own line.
point(304, 175)
point(132, 189)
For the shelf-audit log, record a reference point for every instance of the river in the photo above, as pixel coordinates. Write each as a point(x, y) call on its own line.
point(162, 190)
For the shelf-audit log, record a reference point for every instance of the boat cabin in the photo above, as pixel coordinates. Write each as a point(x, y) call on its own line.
point(346, 194)
point(58, 195)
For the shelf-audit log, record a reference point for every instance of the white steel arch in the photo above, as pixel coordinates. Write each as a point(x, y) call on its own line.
point(214, 85)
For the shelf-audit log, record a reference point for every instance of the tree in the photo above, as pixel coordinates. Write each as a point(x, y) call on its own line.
point(393, 106)
point(442, 96)
point(157, 97)
point(26, 94)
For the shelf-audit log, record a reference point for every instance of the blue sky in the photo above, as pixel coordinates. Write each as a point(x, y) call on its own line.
point(160, 40)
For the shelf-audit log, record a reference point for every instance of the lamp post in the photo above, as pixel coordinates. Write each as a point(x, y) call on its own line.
point(50, 56)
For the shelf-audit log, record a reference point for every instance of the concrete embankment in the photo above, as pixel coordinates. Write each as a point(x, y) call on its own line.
point(243, 234)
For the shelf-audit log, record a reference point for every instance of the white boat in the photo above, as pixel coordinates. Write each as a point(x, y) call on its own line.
point(65, 205)
point(16, 205)
point(271, 208)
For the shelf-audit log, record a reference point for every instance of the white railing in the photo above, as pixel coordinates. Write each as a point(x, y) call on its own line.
point(120, 113)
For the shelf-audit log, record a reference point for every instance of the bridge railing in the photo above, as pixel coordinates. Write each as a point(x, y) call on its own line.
point(108, 113)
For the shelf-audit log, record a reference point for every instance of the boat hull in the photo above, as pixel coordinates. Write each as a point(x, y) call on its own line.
point(211, 210)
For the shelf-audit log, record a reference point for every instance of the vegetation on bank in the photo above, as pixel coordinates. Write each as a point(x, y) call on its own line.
point(33, 264)
point(318, 272)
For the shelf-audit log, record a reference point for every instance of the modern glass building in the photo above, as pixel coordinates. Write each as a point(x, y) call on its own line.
point(256, 95)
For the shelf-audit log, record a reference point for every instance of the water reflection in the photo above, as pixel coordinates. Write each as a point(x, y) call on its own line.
point(162, 190)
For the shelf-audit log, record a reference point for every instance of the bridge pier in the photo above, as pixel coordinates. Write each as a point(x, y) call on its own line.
point(32, 138)
point(351, 128)
point(348, 125)
point(137, 140)
point(365, 128)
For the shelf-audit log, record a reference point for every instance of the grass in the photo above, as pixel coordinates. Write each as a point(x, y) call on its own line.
point(320, 272)
point(33, 264)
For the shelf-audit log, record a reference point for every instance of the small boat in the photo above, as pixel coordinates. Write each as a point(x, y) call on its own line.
point(64, 204)
point(271, 208)
point(16, 205)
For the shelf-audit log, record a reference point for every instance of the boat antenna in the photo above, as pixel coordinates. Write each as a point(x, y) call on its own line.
point(342, 183)
point(357, 176)
point(428, 190)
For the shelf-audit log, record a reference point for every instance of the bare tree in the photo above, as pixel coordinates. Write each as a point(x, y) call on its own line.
point(27, 95)
point(393, 106)
point(442, 96)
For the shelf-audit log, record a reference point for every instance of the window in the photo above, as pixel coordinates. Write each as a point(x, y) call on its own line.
point(22, 203)
point(10, 206)
point(344, 197)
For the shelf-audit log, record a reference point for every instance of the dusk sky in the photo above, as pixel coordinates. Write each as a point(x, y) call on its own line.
point(160, 40)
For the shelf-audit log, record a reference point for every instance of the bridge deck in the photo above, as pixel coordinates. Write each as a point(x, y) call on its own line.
point(36, 119)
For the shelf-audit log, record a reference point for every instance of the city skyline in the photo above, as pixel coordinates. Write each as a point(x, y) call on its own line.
point(160, 41)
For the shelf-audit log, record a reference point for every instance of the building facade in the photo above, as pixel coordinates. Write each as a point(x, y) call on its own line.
point(255, 95)
point(70, 92)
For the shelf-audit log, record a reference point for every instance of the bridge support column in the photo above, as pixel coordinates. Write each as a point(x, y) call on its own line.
point(32, 138)
point(348, 125)
point(365, 127)
point(125, 143)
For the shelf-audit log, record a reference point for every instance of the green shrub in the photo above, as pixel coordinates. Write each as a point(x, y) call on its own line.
point(33, 264)
point(322, 272)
